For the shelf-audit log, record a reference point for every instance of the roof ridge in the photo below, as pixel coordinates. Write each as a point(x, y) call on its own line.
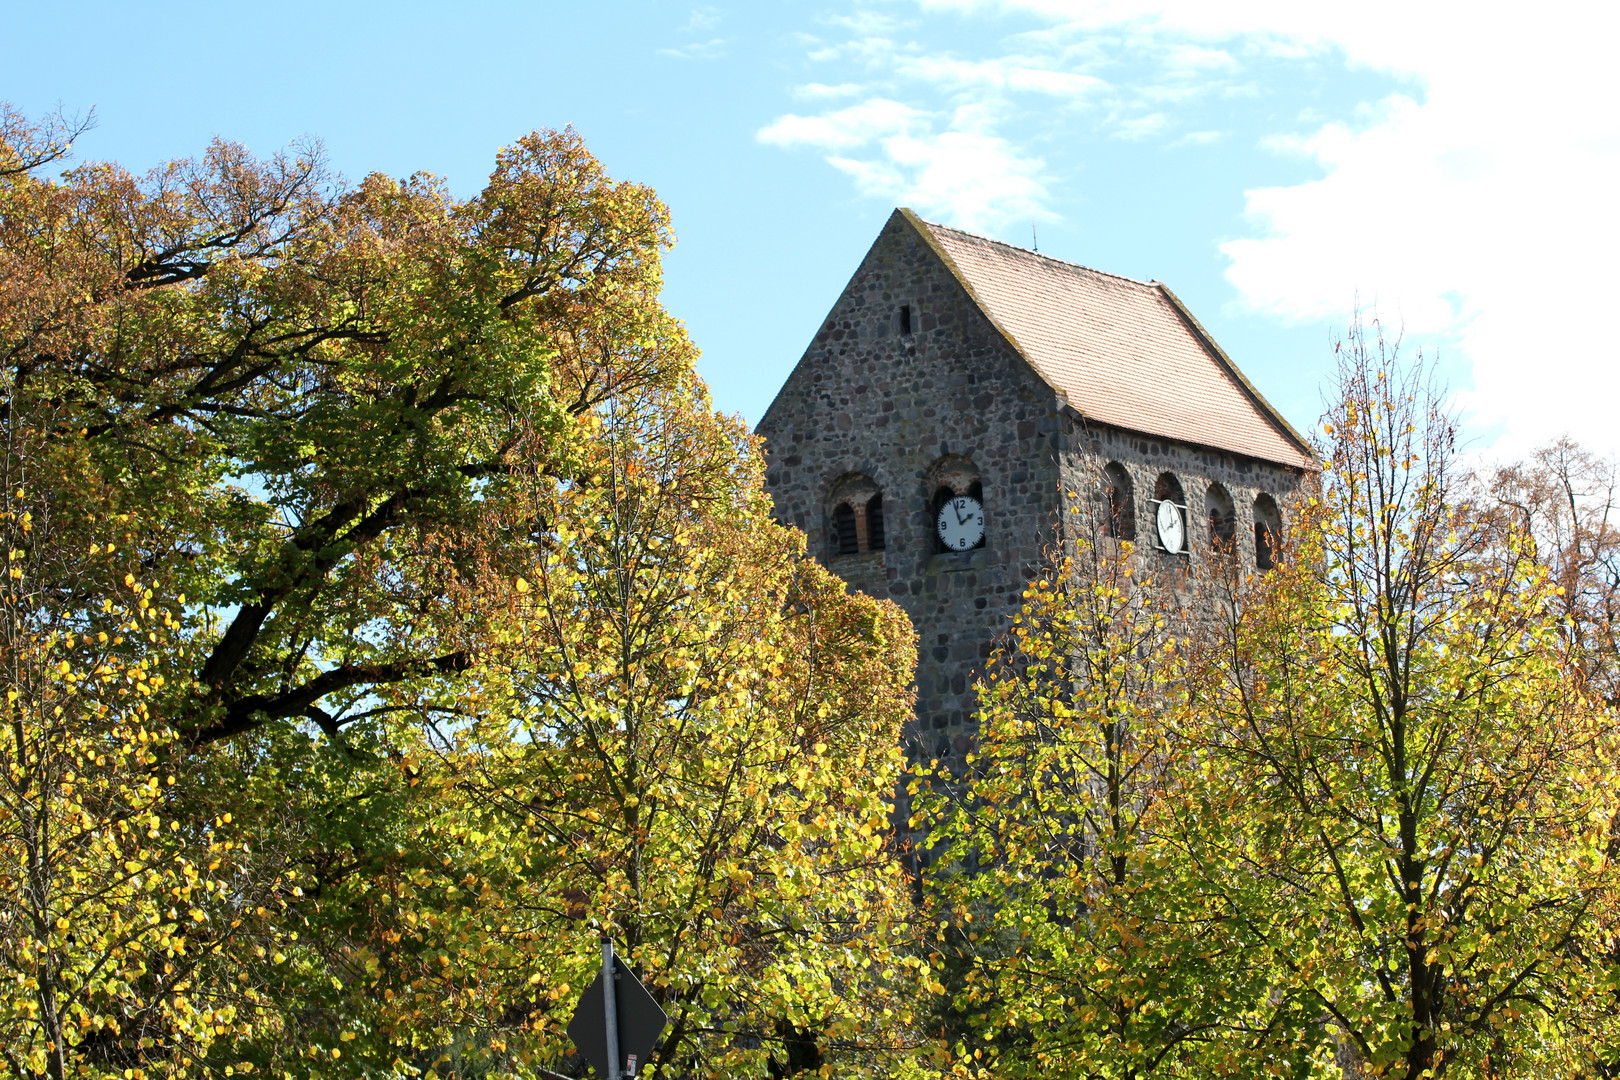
point(1039, 255)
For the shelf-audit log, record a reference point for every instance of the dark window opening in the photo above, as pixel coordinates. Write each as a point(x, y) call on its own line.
point(1267, 532)
point(1120, 522)
point(942, 495)
point(905, 318)
point(874, 524)
point(1222, 519)
point(1168, 488)
point(844, 528)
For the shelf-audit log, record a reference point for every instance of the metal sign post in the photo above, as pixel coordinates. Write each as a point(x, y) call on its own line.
point(610, 1007)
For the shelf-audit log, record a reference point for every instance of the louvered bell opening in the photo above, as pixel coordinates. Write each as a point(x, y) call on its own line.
point(874, 523)
point(844, 528)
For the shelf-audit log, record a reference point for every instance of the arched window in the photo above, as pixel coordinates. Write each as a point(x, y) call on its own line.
point(956, 508)
point(1222, 519)
point(855, 511)
point(1169, 514)
point(1119, 503)
point(1267, 531)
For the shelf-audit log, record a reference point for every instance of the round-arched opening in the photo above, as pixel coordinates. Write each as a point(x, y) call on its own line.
point(1169, 515)
point(956, 504)
point(1222, 516)
point(1267, 531)
point(1119, 503)
point(855, 515)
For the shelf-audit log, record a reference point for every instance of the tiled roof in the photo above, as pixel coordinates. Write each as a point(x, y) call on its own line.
point(1124, 353)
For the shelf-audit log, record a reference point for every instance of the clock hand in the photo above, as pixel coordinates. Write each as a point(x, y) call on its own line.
point(957, 510)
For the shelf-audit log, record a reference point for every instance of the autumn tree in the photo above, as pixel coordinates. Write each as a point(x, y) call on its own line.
point(689, 739)
point(117, 914)
point(27, 145)
point(268, 390)
point(1562, 501)
point(1074, 940)
point(284, 381)
point(1355, 816)
point(319, 413)
point(1407, 798)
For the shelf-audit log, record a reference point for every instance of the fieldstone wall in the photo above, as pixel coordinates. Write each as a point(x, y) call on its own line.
point(1089, 448)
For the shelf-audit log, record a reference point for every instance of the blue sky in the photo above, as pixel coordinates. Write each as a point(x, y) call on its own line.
point(1271, 162)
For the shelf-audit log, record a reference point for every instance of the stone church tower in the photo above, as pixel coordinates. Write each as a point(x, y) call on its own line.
point(958, 388)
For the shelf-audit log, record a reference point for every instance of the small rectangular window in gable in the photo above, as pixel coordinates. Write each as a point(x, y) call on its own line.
point(905, 319)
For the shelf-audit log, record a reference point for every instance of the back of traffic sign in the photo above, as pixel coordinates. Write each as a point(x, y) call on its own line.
point(640, 1022)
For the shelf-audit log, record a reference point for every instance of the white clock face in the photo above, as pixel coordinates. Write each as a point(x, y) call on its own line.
point(1172, 529)
point(961, 523)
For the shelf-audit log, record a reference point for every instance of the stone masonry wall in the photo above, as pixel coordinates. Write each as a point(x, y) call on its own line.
point(1090, 447)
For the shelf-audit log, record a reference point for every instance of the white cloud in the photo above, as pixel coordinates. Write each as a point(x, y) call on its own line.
point(865, 23)
point(702, 19)
point(822, 92)
point(951, 166)
point(712, 49)
point(948, 159)
point(1192, 61)
point(1479, 207)
point(931, 112)
point(1003, 73)
point(969, 177)
point(1480, 211)
point(1055, 83)
point(844, 129)
point(1146, 126)
point(1475, 220)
